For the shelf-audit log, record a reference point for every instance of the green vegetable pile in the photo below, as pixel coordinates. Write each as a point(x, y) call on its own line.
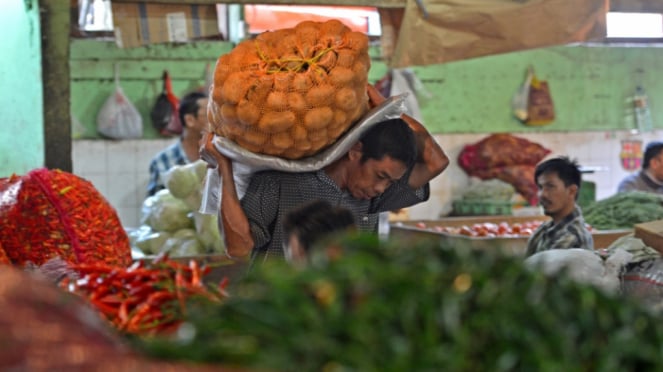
point(623, 210)
point(422, 308)
point(494, 189)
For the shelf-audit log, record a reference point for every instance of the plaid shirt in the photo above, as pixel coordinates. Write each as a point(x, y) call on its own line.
point(570, 232)
point(162, 162)
point(271, 195)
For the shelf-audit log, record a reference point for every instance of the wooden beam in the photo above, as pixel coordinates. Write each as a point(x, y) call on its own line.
point(644, 6)
point(373, 3)
point(55, 21)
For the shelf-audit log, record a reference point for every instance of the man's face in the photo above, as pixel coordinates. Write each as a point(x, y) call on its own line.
point(656, 167)
point(556, 199)
point(198, 122)
point(371, 178)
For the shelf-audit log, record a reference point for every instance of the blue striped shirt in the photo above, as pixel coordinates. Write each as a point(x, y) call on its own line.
point(162, 162)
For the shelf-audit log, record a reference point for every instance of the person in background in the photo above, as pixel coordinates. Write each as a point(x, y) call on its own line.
point(193, 116)
point(558, 181)
point(650, 177)
point(387, 169)
point(311, 224)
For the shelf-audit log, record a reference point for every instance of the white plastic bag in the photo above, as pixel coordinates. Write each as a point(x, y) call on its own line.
point(118, 117)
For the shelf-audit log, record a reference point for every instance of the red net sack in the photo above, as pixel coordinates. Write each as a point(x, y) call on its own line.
point(499, 150)
point(46, 214)
point(47, 329)
point(291, 92)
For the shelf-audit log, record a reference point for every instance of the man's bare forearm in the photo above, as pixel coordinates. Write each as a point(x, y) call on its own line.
point(431, 159)
point(232, 219)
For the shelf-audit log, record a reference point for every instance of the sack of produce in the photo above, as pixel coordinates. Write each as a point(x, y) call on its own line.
point(51, 213)
point(291, 92)
point(47, 329)
point(583, 266)
point(499, 150)
point(643, 281)
point(508, 158)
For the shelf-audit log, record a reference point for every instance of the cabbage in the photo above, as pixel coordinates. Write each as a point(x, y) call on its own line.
point(152, 243)
point(200, 167)
point(194, 200)
point(182, 180)
point(208, 232)
point(187, 233)
point(168, 213)
point(188, 247)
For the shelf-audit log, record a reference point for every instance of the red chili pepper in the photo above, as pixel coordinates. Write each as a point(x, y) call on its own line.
point(107, 310)
point(123, 314)
point(195, 273)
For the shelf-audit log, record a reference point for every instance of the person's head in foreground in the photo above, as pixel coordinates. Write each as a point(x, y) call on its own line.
point(558, 181)
point(311, 224)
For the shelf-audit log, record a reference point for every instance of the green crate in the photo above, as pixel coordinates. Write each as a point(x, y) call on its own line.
point(587, 194)
point(481, 208)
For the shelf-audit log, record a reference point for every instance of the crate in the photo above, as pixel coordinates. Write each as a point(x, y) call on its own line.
point(412, 231)
point(587, 194)
point(481, 208)
point(651, 234)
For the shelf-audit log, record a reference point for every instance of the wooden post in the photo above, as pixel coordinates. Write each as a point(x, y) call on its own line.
point(55, 19)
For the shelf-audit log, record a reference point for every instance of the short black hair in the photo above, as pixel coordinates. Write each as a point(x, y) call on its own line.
point(189, 105)
point(314, 221)
point(566, 169)
point(393, 138)
point(651, 151)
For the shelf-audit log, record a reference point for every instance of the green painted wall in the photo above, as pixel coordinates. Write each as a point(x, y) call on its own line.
point(590, 85)
point(22, 142)
point(140, 70)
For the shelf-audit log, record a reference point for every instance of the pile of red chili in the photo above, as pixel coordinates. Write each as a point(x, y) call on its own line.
point(144, 299)
point(51, 213)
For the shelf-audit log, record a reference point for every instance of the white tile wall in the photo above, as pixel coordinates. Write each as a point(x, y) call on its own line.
point(119, 169)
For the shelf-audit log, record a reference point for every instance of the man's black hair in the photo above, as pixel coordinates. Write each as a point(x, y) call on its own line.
point(651, 151)
point(393, 138)
point(566, 169)
point(189, 105)
point(316, 220)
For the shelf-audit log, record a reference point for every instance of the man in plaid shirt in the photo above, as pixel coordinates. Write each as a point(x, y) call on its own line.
point(193, 115)
point(558, 181)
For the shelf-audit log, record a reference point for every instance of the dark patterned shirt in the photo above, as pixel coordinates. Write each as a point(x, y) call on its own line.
point(640, 181)
point(271, 195)
point(570, 232)
point(171, 156)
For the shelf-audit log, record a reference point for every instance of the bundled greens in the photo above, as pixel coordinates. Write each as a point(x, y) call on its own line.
point(493, 189)
point(623, 210)
point(369, 306)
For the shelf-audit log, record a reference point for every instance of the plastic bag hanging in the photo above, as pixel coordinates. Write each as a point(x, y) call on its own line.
point(643, 121)
point(118, 117)
point(519, 99)
point(165, 112)
point(540, 108)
